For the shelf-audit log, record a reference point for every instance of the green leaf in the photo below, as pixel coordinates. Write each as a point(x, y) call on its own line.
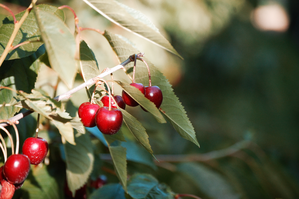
point(118, 155)
point(41, 184)
point(79, 161)
point(144, 186)
point(132, 21)
point(88, 63)
point(28, 32)
point(137, 130)
point(24, 79)
point(138, 154)
point(213, 184)
point(66, 131)
point(143, 101)
point(110, 191)
point(60, 45)
point(171, 106)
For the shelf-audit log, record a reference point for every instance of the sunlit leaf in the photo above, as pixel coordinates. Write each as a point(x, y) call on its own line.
point(145, 186)
point(110, 191)
point(171, 106)
point(88, 63)
point(79, 161)
point(42, 184)
point(60, 45)
point(136, 128)
point(143, 101)
point(23, 80)
point(28, 32)
point(131, 20)
point(66, 130)
point(208, 181)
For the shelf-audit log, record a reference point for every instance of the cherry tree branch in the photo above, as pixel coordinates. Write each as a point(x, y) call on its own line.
point(68, 94)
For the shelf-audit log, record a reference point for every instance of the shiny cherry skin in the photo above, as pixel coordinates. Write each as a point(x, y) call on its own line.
point(36, 149)
point(87, 112)
point(16, 168)
point(128, 99)
point(119, 100)
point(154, 94)
point(109, 121)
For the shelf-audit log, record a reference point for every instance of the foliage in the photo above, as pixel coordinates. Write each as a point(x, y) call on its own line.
point(57, 54)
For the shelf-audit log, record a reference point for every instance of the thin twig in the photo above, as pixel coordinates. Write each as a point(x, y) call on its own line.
point(15, 31)
point(68, 94)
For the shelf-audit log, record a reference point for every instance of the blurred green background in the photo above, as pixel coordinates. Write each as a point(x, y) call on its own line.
point(238, 81)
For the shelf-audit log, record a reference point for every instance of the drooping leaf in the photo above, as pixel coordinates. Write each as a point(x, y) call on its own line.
point(118, 155)
point(145, 186)
point(137, 130)
point(213, 184)
point(28, 32)
point(138, 154)
point(132, 21)
point(88, 63)
point(60, 45)
point(66, 130)
point(79, 161)
point(171, 106)
point(143, 101)
point(24, 79)
point(42, 184)
point(110, 191)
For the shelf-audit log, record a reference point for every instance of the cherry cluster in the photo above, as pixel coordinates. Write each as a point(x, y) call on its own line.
point(17, 166)
point(109, 118)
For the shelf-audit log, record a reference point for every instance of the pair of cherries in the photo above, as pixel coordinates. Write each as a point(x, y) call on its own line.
point(17, 166)
point(108, 120)
point(153, 93)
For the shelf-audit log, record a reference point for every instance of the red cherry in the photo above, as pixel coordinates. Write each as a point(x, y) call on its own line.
point(128, 99)
point(7, 190)
point(36, 149)
point(109, 121)
point(99, 182)
point(87, 112)
point(119, 100)
point(16, 168)
point(154, 94)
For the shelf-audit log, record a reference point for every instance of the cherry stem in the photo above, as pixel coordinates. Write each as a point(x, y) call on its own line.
point(186, 195)
point(23, 43)
point(149, 73)
point(93, 29)
point(109, 92)
point(37, 125)
point(112, 83)
point(9, 10)
point(15, 32)
point(3, 146)
point(134, 68)
point(10, 138)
